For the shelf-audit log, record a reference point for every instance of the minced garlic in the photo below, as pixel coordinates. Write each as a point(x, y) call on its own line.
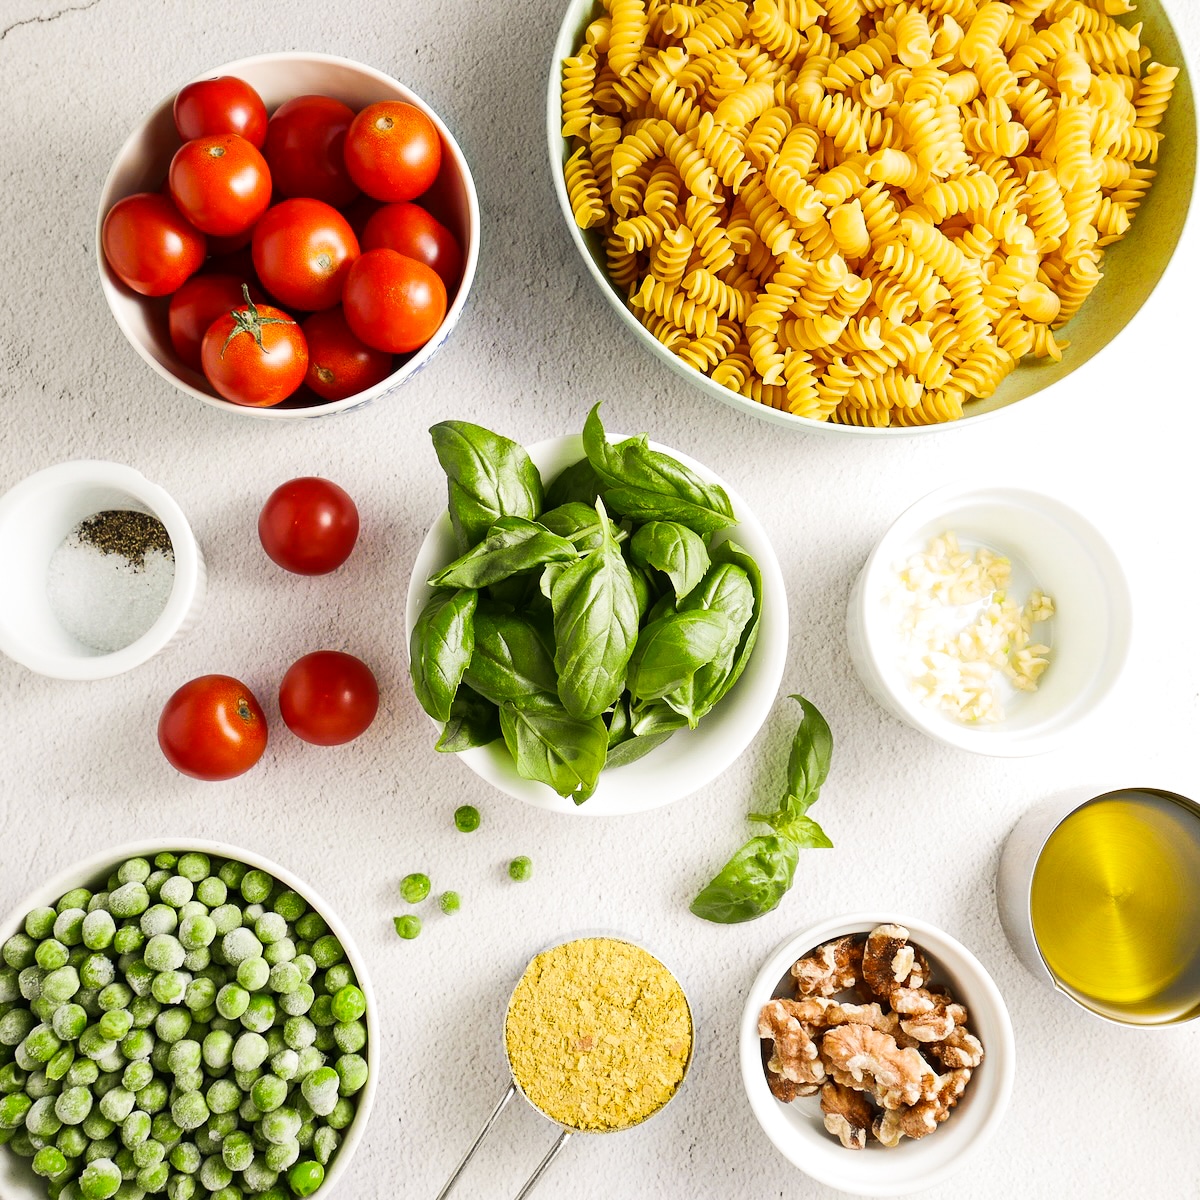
point(598, 1034)
point(962, 634)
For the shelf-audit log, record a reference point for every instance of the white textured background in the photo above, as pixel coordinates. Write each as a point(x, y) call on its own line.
point(1097, 1112)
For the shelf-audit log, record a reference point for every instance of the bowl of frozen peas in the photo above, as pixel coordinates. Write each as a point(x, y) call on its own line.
point(185, 1019)
point(873, 222)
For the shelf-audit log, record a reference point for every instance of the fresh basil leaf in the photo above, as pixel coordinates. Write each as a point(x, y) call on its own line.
point(576, 483)
point(512, 544)
point(673, 549)
point(649, 720)
point(642, 589)
point(595, 627)
point(443, 640)
point(790, 822)
point(648, 485)
point(672, 649)
point(473, 722)
point(812, 749)
point(489, 477)
point(549, 577)
point(751, 883)
point(630, 750)
point(578, 523)
point(619, 727)
point(513, 658)
point(552, 747)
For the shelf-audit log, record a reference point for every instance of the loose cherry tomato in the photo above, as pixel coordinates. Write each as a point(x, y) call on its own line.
point(392, 302)
point(196, 305)
point(304, 148)
point(328, 697)
point(408, 229)
point(308, 526)
point(221, 105)
point(393, 151)
point(339, 365)
point(149, 244)
point(212, 728)
point(303, 250)
point(220, 183)
point(254, 355)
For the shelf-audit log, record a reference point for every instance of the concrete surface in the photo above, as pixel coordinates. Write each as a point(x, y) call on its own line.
point(1098, 1112)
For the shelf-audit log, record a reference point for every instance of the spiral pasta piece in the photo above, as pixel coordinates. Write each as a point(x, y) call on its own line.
point(582, 190)
point(627, 34)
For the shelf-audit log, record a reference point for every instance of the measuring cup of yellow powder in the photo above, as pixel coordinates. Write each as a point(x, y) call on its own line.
point(1100, 897)
point(599, 1038)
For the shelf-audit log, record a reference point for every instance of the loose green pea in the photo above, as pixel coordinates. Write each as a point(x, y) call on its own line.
point(466, 818)
point(299, 1032)
point(193, 866)
point(281, 951)
point(96, 972)
point(297, 1002)
point(352, 1071)
point(41, 1120)
point(137, 1044)
point(260, 1180)
point(12, 1079)
point(449, 902)
point(134, 870)
point(520, 869)
point(184, 1056)
point(231, 873)
point(414, 888)
point(170, 987)
point(165, 860)
point(320, 1090)
point(72, 1141)
point(268, 1093)
point(152, 1179)
point(97, 1126)
point(227, 918)
point(115, 996)
point(249, 1052)
point(270, 927)
point(172, 1024)
point(181, 1187)
point(285, 1064)
point(117, 1104)
point(83, 1073)
point(337, 977)
point(408, 927)
point(260, 1013)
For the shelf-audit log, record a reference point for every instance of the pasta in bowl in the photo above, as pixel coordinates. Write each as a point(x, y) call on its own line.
point(871, 216)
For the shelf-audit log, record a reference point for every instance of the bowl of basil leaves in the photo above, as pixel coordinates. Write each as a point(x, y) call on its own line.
point(594, 627)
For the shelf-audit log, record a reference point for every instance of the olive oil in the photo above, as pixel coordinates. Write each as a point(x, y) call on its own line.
point(1115, 905)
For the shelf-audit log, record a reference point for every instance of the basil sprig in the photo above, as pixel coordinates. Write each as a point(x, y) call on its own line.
point(587, 622)
point(758, 876)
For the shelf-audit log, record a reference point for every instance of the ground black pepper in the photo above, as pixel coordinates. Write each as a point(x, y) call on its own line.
point(127, 533)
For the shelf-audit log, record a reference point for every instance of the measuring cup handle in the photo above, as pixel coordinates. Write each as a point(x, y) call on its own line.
point(487, 1128)
point(543, 1166)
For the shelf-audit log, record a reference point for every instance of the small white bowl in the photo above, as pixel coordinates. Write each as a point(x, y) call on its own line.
point(141, 165)
point(797, 1129)
point(35, 517)
point(1064, 554)
point(691, 758)
point(17, 1181)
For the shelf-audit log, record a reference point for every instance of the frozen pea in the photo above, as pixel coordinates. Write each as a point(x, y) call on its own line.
point(256, 887)
point(14, 1025)
point(83, 1072)
point(135, 870)
point(59, 986)
point(299, 1032)
point(211, 891)
point(129, 900)
point(281, 951)
point(206, 1142)
point(221, 1125)
point(197, 932)
point(10, 989)
point(163, 953)
point(181, 1187)
point(189, 1111)
point(100, 1179)
point(139, 977)
point(184, 1056)
point(408, 926)
point(449, 902)
point(258, 1177)
point(352, 1071)
point(290, 905)
point(152, 1179)
point(321, 1012)
point(19, 951)
point(138, 1044)
point(158, 1056)
point(217, 1050)
point(306, 1177)
point(240, 944)
point(247, 1112)
point(75, 898)
point(170, 987)
point(232, 872)
point(49, 1161)
point(116, 1024)
point(327, 950)
point(41, 1120)
point(280, 1126)
point(72, 1141)
point(249, 1052)
point(281, 1155)
point(166, 860)
point(309, 1059)
point(185, 1157)
point(128, 939)
point(285, 1064)
point(320, 1090)
point(193, 866)
point(342, 1115)
point(145, 1011)
point(325, 1143)
point(350, 1036)
point(232, 1001)
point(156, 880)
point(173, 1024)
point(270, 927)
point(214, 1174)
point(296, 1003)
point(176, 891)
point(311, 926)
point(307, 967)
point(148, 1153)
point(189, 1080)
point(153, 1097)
point(193, 908)
point(466, 818)
point(51, 955)
point(201, 993)
point(41, 1044)
point(285, 978)
point(117, 1104)
point(29, 981)
point(13, 1109)
point(39, 922)
point(227, 918)
point(237, 1151)
point(137, 1075)
point(197, 960)
point(228, 1193)
point(97, 1126)
point(268, 1093)
point(163, 1129)
point(253, 974)
point(98, 902)
point(337, 977)
point(98, 930)
point(349, 1003)
point(96, 972)
point(159, 918)
point(260, 1013)
point(222, 1096)
point(114, 996)
point(73, 1105)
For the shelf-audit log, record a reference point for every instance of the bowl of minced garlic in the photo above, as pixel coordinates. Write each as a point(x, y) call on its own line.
point(598, 1034)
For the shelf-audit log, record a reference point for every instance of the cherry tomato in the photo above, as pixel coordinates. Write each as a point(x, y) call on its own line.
point(328, 697)
point(221, 105)
point(303, 250)
point(408, 229)
point(308, 526)
point(254, 355)
point(196, 305)
point(392, 302)
point(212, 728)
point(220, 183)
point(304, 148)
point(339, 365)
point(149, 244)
point(393, 151)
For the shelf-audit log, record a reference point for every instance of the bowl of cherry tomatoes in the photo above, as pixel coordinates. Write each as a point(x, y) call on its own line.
point(289, 235)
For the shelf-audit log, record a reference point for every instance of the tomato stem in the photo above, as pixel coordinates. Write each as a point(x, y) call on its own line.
point(248, 320)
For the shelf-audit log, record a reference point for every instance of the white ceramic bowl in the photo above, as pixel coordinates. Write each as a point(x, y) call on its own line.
point(691, 758)
point(1132, 267)
point(17, 1181)
point(141, 165)
point(797, 1129)
point(35, 516)
point(1057, 550)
